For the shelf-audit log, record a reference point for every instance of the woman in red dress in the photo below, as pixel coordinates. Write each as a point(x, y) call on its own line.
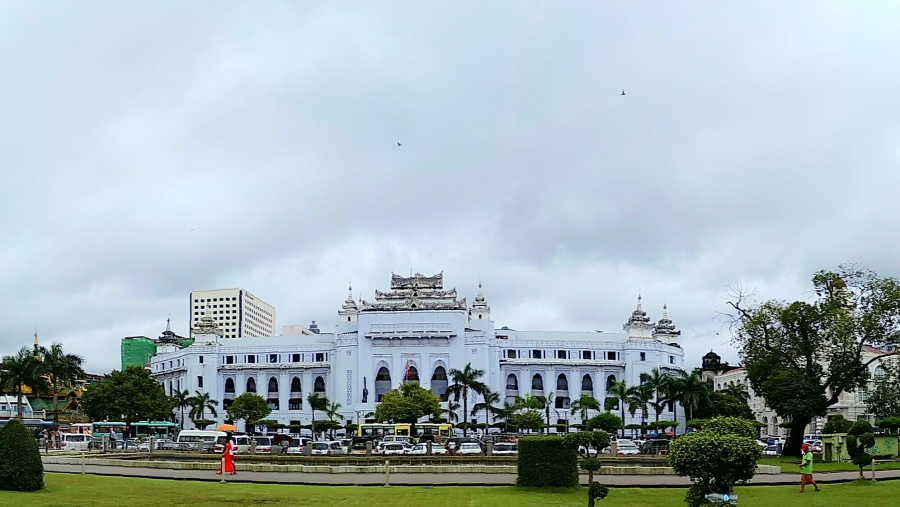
point(228, 456)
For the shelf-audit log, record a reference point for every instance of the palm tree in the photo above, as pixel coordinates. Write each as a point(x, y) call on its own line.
point(658, 382)
point(316, 402)
point(490, 398)
point(181, 400)
point(674, 389)
point(507, 412)
point(200, 403)
point(20, 371)
point(63, 370)
point(619, 391)
point(332, 410)
point(639, 397)
point(737, 392)
point(583, 404)
point(465, 380)
point(451, 409)
point(693, 391)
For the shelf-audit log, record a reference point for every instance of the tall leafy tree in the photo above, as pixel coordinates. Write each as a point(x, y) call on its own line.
point(130, 395)
point(691, 392)
point(180, 401)
point(249, 407)
point(802, 356)
point(883, 400)
point(62, 369)
point(658, 382)
point(737, 392)
point(19, 371)
point(638, 398)
point(407, 404)
point(465, 381)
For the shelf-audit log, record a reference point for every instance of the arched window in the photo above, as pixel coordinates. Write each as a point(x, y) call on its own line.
point(382, 383)
point(562, 383)
point(610, 380)
point(587, 384)
point(296, 387)
point(512, 383)
point(537, 382)
point(273, 385)
point(319, 385)
point(295, 402)
point(413, 375)
point(879, 373)
point(251, 385)
point(439, 382)
point(229, 385)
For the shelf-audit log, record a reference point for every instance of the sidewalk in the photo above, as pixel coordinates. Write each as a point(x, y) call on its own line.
point(443, 479)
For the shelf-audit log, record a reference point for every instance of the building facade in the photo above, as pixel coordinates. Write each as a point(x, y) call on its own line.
point(418, 331)
point(237, 312)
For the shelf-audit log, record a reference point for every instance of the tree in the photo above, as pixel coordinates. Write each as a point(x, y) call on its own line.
point(619, 391)
point(737, 392)
point(584, 442)
point(200, 403)
point(130, 395)
point(316, 402)
point(63, 370)
point(20, 371)
point(860, 439)
point(464, 381)
point(606, 421)
point(802, 356)
point(837, 424)
point(638, 399)
point(528, 420)
point(585, 403)
point(884, 400)
point(722, 404)
point(20, 459)
point(692, 391)
point(180, 401)
point(451, 411)
point(507, 414)
point(716, 458)
point(407, 404)
point(333, 411)
point(250, 407)
point(490, 398)
point(659, 384)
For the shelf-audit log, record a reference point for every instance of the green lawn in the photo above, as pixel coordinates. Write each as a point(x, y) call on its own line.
point(95, 491)
point(791, 465)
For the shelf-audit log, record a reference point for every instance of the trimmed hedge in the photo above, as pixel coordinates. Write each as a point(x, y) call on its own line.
point(20, 459)
point(547, 461)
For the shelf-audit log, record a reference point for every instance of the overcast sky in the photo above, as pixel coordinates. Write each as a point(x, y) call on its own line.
point(150, 150)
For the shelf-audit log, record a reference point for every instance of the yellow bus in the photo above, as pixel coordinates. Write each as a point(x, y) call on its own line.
point(404, 429)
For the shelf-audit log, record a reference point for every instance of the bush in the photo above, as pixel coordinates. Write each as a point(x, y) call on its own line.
point(888, 423)
point(606, 421)
point(547, 461)
point(715, 458)
point(20, 459)
point(732, 426)
point(836, 424)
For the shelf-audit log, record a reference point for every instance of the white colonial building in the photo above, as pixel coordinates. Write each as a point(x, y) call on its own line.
point(417, 332)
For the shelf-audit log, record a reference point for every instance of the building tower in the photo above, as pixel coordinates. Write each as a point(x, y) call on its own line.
point(349, 311)
point(480, 309)
point(638, 325)
point(665, 331)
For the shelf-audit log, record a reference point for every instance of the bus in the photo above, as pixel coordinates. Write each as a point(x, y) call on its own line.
point(104, 428)
point(80, 428)
point(156, 429)
point(381, 430)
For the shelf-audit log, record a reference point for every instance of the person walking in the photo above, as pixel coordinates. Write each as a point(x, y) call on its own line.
point(227, 457)
point(806, 468)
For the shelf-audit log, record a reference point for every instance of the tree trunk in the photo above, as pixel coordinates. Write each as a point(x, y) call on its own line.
point(590, 482)
point(20, 408)
point(55, 403)
point(675, 416)
point(465, 411)
point(622, 404)
point(795, 439)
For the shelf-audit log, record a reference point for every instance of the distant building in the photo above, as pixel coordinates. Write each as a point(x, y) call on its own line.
point(237, 312)
point(299, 330)
point(712, 366)
point(137, 350)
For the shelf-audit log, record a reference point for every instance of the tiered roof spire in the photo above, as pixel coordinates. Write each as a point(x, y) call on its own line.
point(349, 305)
point(480, 303)
point(665, 326)
point(638, 316)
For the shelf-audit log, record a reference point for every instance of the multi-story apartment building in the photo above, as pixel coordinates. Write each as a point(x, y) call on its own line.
point(236, 312)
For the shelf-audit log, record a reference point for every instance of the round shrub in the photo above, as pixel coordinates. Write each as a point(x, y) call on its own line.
point(547, 462)
point(598, 491)
point(732, 426)
point(20, 459)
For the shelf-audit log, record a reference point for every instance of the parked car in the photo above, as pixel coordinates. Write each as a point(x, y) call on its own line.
point(658, 447)
point(422, 449)
point(507, 449)
point(626, 448)
point(469, 449)
point(771, 450)
point(393, 448)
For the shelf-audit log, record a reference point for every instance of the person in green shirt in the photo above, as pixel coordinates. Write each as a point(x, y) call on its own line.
point(806, 468)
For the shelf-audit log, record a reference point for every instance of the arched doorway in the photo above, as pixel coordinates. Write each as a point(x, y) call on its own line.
point(382, 383)
point(439, 383)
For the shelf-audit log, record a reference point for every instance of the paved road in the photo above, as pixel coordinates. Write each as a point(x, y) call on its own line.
point(443, 479)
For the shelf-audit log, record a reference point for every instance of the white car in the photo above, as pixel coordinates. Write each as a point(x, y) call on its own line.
point(505, 449)
point(626, 448)
point(469, 449)
point(422, 449)
point(393, 448)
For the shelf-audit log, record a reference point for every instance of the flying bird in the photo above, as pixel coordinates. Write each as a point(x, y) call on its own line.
point(398, 144)
point(623, 92)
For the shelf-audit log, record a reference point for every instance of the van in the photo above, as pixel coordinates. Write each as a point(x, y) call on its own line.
point(212, 440)
point(74, 441)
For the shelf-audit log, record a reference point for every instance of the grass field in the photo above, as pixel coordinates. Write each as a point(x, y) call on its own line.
point(791, 466)
point(63, 490)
